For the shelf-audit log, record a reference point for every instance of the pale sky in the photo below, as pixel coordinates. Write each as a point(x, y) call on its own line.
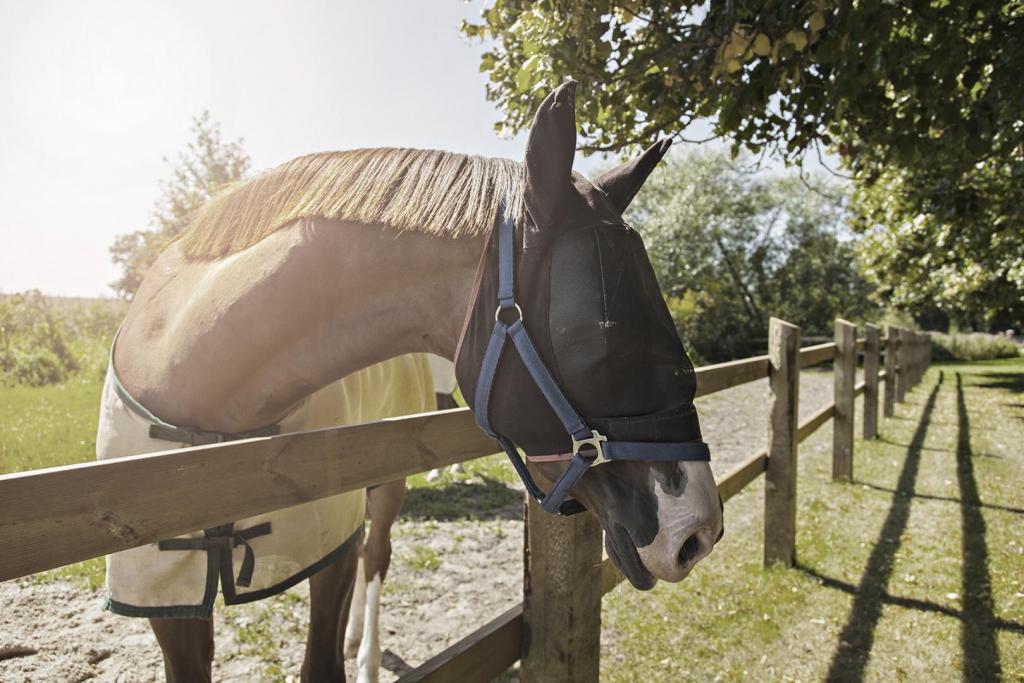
point(96, 94)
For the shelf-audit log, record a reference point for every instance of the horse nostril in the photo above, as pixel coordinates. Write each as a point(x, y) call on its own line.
point(690, 550)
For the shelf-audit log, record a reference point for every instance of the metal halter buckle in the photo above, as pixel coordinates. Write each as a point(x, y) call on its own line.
point(594, 441)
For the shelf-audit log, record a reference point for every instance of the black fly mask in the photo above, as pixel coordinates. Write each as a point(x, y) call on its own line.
point(569, 351)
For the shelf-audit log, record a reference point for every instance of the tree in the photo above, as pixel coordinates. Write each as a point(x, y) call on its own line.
point(921, 101)
point(207, 165)
point(957, 259)
point(732, 247)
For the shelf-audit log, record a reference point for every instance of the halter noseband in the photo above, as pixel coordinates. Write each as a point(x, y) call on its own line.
point(588, 445)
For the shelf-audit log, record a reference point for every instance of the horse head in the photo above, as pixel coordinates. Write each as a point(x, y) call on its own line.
point(595, 324)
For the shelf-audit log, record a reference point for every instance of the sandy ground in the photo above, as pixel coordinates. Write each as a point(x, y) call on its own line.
point(448, 577)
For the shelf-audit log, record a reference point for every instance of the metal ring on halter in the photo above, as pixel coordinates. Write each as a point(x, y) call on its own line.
point(498, 311)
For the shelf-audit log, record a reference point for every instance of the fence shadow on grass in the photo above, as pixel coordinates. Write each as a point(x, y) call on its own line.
point(944, 499)
point(485, 498)
point(856, 639)
point(977, 636)
point(1011, 381)
point(979, 623)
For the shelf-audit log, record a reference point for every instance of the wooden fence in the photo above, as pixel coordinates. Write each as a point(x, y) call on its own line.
point(60, 515)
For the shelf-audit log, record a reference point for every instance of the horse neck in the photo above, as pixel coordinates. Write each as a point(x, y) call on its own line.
point(233, 345)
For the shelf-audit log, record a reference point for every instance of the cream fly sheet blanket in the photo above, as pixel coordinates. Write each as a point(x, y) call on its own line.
point(271, 552)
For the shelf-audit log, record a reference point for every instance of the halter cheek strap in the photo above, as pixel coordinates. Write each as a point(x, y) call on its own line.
point(588, 445)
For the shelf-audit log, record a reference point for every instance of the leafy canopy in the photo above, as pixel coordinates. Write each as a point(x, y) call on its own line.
point(892, 80)
point(207, 164)
point(921, 100)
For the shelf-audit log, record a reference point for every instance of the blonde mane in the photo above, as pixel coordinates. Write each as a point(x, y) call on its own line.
point(430, 191)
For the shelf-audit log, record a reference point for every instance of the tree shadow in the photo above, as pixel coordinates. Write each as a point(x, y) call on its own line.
point(977, 637)
point(485, 498)
point(857, 637)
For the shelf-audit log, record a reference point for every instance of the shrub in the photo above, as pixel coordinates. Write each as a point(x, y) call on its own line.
point(44, 340)
point(972, 346)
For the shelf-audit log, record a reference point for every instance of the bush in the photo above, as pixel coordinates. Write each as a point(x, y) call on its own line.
point(45, 340)
point(973, 346)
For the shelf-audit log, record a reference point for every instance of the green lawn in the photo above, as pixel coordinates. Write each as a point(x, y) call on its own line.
point(49, 426)
point(915, 571)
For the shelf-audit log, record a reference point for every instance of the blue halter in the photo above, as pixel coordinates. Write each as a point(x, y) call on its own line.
point(588, 445)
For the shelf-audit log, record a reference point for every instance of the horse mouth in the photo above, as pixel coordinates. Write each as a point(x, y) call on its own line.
point(623, 553)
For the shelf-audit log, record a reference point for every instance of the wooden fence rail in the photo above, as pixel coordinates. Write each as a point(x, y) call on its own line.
point(494, 637)
point(96, 508)
point(61, 515)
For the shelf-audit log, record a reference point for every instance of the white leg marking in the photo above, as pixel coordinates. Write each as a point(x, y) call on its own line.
point(369, 652)
point(356, 613)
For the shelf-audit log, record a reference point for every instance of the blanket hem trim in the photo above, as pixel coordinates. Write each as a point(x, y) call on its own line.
point(219, 565)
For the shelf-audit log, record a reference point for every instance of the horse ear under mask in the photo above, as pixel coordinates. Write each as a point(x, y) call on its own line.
point(549, 154)
point(623, 182)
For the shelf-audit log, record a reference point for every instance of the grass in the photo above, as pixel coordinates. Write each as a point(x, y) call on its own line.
point(46, 427)
point(264, 628)
point(914, 571)
point(422, 558)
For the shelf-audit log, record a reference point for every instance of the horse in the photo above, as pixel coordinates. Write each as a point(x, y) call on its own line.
point(383, 505)
point(443, 373)
point(335, 262)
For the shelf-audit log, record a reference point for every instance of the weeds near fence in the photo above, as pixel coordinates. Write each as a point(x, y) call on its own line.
point(972, 347)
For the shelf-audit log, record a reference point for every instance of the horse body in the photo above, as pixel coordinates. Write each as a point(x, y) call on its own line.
point(277, 290)
point(231, 345)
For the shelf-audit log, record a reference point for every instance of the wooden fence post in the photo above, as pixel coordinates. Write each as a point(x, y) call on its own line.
point(871, 350)
point(561, 597)
point(927, 351)
point(780, 473)
point(923, 351)
point(844, 372)
point(903, 365)
point(892, 342)
point(911, 359)
point(917, 358)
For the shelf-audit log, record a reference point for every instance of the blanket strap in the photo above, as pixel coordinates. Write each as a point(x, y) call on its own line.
point(217, 539)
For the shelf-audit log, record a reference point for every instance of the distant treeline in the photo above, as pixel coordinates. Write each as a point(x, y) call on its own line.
point(48, 340)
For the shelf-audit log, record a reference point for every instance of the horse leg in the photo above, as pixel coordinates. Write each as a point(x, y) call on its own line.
point(187, 646)
point(330, 591)
point(445, 402)
point(354, 629)
point(383, 504)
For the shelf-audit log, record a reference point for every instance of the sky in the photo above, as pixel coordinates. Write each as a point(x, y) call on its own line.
point(96, 95)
